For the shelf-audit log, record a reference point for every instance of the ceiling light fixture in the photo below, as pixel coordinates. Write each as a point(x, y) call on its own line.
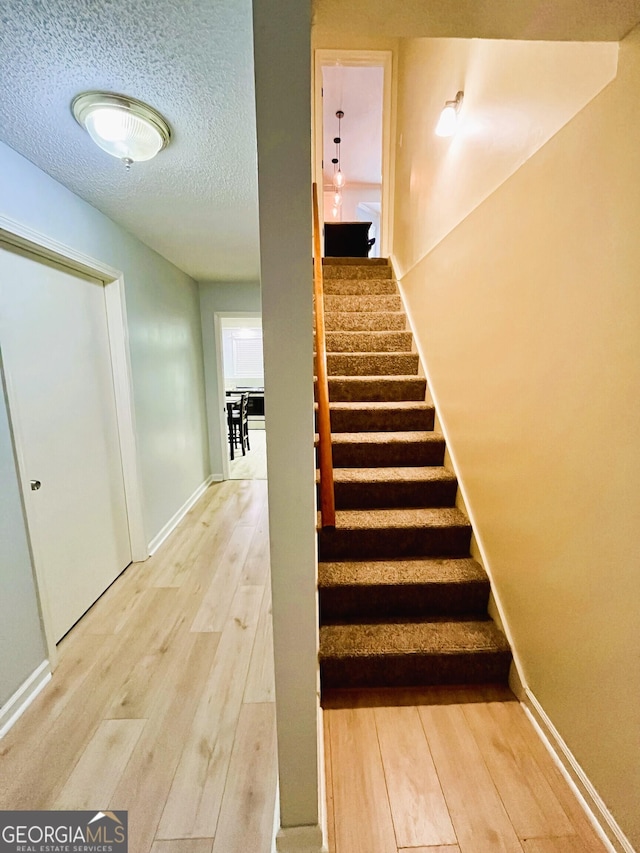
point(448, 121)
point(123, 127)
point(338, 175)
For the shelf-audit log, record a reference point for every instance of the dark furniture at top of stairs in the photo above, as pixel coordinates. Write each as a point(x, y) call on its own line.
point(347, 239)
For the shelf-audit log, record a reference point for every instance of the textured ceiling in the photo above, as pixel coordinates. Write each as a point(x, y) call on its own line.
point(196, 202)
point(563, 20)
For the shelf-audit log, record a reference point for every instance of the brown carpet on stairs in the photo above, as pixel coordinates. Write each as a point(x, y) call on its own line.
point(401, 601)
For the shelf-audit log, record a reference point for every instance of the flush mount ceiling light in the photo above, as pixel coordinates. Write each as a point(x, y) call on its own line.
point(448, 121)
point(123, 127)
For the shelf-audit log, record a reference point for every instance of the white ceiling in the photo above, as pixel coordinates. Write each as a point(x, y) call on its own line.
point(357, 91)
point(196, 202)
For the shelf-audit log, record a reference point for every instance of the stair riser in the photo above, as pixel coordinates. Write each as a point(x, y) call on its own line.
point(350, 321)
point(363, 262)
point(362, 303)
point(355, 391)
point(350, 342)
point(366, 364)
point(393, 543)
point(353, 286)
point(331, 271)
point(383, 421)
point(385, 495)
point(416, 670)
point(411, 601)
point(389, 455)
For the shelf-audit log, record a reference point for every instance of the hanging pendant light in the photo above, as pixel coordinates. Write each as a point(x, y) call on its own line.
point(338, 175)
point(123, 127)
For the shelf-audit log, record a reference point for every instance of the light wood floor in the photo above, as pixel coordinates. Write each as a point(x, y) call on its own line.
point(163, 704)
point(445, 770)
point(163, 701)
point(253, 465)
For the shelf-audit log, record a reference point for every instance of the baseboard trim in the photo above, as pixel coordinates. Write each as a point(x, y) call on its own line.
point(300, 839)
point(175, 519)
point(17, 704)
point(603, 821)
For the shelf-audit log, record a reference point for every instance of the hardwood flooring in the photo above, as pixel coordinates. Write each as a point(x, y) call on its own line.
point(163, 701)
point(253, 465)
point(163, 705)
point(444, 770)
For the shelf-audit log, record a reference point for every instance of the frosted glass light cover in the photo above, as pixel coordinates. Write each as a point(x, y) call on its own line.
point(447, 122)
point(123, 134)
point(123, 127)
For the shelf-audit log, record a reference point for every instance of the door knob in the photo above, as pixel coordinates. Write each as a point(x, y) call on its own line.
point(35, 485)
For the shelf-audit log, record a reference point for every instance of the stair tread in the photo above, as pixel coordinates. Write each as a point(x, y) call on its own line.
point(353, 280)
point(370, 353)
point(386, 378)
point(437, 637)
point(368, 573)
point(410, 436)
point(410, 517)
point(391, 405)
point(392, 475)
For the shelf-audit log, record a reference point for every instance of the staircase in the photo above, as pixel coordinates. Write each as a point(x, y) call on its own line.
point(401, 601)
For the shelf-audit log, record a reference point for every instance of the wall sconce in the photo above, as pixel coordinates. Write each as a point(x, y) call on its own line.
point(448, 121)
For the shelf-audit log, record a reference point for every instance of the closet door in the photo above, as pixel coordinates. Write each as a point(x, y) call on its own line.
point(55, 349)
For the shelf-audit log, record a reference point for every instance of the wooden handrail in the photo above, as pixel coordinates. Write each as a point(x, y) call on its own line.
point(325, 456)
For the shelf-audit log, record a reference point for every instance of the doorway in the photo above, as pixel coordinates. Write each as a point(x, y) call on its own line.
point(353, 105)
point(67, 386)
point(243, 376)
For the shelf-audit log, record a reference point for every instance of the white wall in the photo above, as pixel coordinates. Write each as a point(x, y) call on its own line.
point(165, 346)
point(220, 297)
point(527, 314)
point(282, 67)
point(351, 197)
point(21, 643)
point(164, 333)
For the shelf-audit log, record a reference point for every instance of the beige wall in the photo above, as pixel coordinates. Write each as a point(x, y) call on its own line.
point(577, 20)
point(516, 96)
point(528, 317)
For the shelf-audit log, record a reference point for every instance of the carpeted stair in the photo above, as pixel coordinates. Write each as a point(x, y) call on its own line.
point(401, 601)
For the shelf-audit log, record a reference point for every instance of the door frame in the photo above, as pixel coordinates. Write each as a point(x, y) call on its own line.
point(359, 58)
point(40, 245)
point(219, 355)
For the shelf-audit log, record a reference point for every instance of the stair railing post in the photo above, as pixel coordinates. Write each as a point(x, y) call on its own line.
point(325, 456)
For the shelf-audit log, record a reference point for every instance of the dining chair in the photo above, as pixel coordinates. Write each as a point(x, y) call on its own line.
point(238, 423)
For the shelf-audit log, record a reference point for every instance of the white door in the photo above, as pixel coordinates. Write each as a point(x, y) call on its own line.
point(53, 335)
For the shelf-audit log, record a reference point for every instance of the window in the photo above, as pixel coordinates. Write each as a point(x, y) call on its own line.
point(243, 353)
